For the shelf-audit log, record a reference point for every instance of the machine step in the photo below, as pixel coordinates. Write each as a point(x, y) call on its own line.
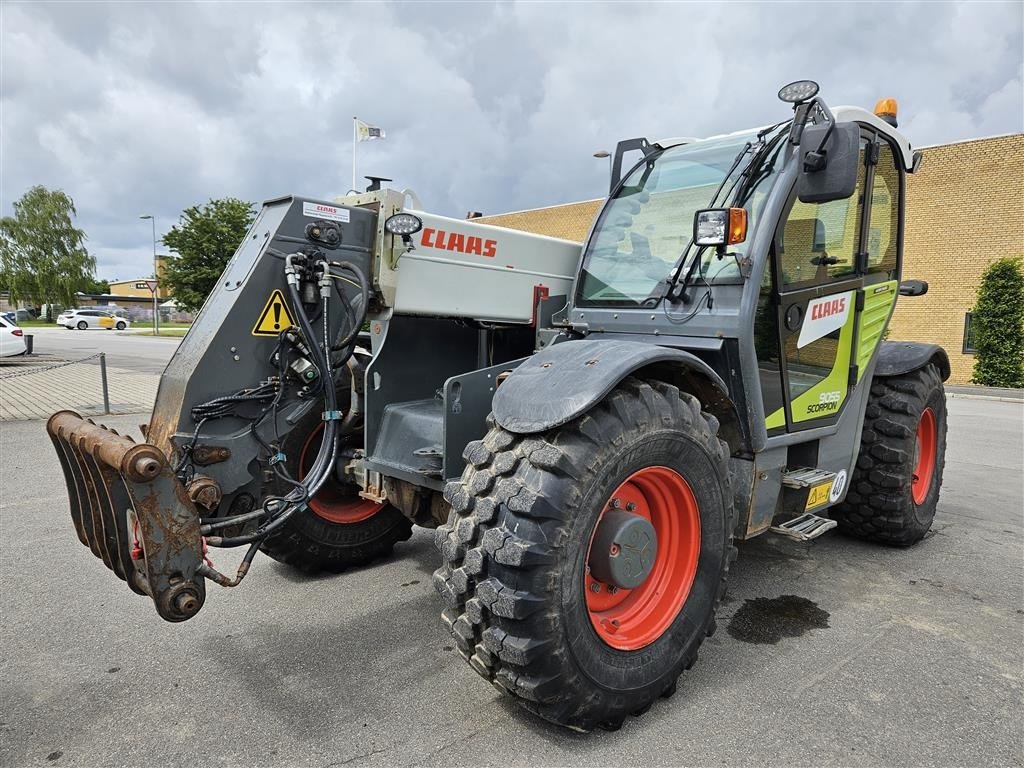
point(806, 527)
point(806, 477)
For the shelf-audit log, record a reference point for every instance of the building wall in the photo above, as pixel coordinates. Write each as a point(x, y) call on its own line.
point(136, 288)
point(965, 209)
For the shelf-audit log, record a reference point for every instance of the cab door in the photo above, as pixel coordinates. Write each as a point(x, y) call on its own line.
point(817, 286)
point(829, 293)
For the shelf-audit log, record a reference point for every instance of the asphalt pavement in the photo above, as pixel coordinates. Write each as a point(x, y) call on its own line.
point(833, 652)
point(129, 350)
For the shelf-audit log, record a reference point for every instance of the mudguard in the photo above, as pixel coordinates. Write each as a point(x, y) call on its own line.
point(566, 380)
point(898, 357)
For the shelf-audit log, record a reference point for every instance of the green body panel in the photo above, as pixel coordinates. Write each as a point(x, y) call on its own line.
point(809, 405)
point(878, 301)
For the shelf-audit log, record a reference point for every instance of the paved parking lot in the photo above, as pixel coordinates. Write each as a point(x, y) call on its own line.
point(34, 386)
point(829, 653)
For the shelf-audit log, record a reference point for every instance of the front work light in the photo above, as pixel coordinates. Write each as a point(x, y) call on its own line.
point(798, 91)
point(404, 224)
point(720, 226)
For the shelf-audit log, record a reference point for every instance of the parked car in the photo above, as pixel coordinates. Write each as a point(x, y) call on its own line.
point(90, 317)
point(17, 315)
point(12, 339)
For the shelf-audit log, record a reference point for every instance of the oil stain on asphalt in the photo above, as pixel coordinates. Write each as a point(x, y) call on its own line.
point(765, 621)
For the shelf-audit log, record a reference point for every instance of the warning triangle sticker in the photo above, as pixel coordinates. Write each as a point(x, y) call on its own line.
point(274, 318)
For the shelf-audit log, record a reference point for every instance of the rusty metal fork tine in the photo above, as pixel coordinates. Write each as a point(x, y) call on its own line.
point(83, 493)
point(75, 500)
point(109, 542)
point(94, 526)
point(120, 503)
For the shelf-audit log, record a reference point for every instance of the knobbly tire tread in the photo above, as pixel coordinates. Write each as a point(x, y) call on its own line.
point(879, 505)
point(311, 544)
point(501, 543)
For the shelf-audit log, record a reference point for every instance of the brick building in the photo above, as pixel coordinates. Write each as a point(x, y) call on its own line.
point(965, 209)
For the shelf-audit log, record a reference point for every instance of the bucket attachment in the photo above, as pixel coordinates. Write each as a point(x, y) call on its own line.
point(132, 512)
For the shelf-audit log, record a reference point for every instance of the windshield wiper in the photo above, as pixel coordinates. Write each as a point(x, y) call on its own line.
point(668, 287)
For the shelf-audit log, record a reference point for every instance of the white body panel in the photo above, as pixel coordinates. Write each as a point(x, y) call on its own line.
point(459, 268)
point(10, 344)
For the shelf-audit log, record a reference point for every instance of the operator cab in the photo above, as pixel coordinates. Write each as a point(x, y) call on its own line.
point(761, 246)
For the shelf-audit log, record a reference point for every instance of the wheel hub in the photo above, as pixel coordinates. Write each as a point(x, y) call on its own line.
point(624, 549)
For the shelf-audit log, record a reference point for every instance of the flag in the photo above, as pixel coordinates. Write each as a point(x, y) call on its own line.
point(367, 132)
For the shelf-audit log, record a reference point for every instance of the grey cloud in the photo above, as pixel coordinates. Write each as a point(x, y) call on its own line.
point(150, 108)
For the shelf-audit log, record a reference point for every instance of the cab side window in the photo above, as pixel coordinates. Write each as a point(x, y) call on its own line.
point(819, 240)
point(882, 232)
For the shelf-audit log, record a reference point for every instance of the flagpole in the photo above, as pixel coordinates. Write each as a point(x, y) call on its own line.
point(354, 141)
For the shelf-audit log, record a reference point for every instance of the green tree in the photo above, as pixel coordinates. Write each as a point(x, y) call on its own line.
point(998, 324)
point(95, 285)
point(204, 240)
point(43, 258)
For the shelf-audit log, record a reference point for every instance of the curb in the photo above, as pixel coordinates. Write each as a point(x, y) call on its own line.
point(994, 398)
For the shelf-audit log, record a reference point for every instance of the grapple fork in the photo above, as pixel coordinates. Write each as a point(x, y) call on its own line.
point(131, 511)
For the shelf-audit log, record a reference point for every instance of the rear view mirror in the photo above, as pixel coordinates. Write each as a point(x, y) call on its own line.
point(828, 171)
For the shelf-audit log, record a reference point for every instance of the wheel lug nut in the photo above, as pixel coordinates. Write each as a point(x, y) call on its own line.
point(631, 507)
point(616, 504)
point(595, 587)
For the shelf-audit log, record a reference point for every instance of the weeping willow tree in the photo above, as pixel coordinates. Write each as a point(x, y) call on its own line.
point(43, 258)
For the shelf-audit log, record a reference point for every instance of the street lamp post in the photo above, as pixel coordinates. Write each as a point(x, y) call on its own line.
point(156, 278)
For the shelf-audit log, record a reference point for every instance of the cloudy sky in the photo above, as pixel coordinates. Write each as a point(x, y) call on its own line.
point(136, 108)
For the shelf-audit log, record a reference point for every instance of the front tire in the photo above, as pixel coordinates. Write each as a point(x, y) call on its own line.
point(339, 529)
point(895, 484)
point(518, 572)
point(121, 326)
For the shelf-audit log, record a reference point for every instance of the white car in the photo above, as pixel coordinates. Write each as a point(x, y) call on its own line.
point(12, 339)
point(84, 319)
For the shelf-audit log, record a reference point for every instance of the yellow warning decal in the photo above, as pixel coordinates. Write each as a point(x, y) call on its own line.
point(274, 318)
point(818, 495)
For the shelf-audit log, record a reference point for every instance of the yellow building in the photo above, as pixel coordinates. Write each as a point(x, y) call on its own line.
point(139, 287)
point(965, 209)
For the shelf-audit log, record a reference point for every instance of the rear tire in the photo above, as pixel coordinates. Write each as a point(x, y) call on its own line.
point(339, 530)
point(516, 545)
point(82, 325)
point(895, 484)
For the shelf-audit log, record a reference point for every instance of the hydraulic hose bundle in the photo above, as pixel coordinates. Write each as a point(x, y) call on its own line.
point(305, 271)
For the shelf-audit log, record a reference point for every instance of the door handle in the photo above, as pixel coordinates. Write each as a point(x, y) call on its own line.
point(827, 260)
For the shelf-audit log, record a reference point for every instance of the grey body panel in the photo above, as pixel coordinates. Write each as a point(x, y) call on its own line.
point(897, 357)
point(565, 380)
point(220, 354)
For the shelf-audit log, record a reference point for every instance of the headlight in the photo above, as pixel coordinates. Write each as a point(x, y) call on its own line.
point(720, 226)
point(403, 224)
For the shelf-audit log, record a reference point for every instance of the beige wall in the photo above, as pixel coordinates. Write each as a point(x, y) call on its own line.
point(132, 287)
point(965, 209)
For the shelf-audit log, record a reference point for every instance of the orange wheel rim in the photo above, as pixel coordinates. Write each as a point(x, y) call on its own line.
point(628, 619)
point(335, 502)
point(925, 449)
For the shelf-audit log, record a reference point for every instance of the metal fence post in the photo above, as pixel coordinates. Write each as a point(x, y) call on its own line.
point(103, 382)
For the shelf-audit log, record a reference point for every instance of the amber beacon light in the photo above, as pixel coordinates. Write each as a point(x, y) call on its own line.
point(886, 109)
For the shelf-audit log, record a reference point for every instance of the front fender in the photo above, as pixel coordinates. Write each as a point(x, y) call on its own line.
point(898, 357)
point(565, 380)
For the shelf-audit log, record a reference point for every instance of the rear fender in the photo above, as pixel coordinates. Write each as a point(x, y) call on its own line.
point(899, 357)
point(566, 380)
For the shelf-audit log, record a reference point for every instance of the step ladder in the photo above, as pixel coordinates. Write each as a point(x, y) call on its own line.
point(806, 527)
point(804, 490)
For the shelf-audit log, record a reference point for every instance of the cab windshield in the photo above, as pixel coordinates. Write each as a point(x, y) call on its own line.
point(643, 231)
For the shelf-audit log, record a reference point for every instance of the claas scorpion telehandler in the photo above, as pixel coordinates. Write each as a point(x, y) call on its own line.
point(588, 428)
